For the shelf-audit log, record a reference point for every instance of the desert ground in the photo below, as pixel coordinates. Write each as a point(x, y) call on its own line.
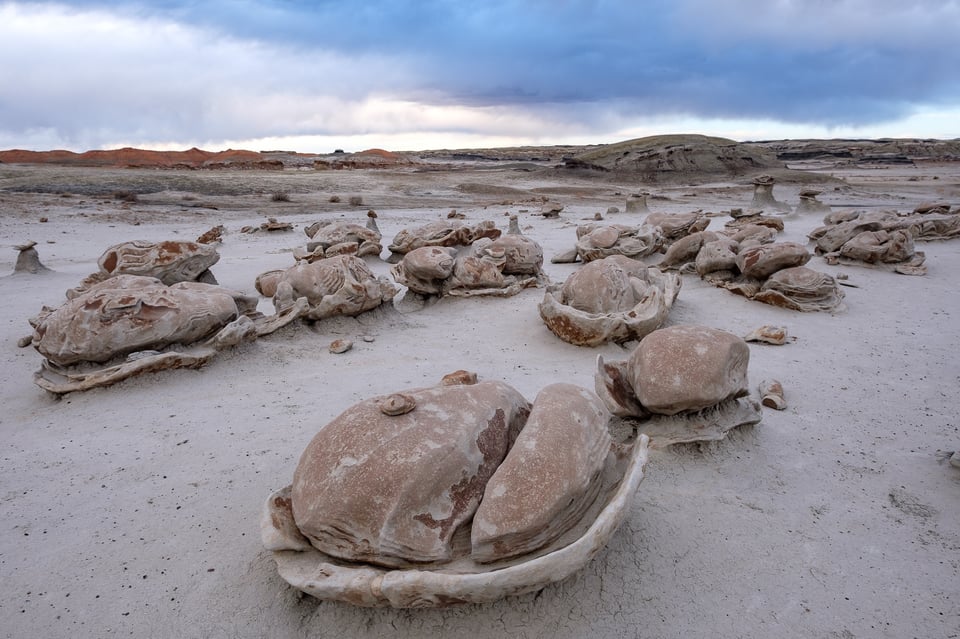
point(133, 510)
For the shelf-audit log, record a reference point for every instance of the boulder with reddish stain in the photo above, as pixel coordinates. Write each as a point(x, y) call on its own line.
point(759, 262)
point(688, 368)
point(129, 313)
point(394, 490)
point(681, 384)
point(677, 225)
point(549, 479)
point(170, 262)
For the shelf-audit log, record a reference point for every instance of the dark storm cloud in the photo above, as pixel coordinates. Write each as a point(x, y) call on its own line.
point(845, 62)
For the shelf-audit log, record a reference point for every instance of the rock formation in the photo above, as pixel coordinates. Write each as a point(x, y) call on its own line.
point(683, 383)
point(462, 492)
point(341, 285)
point(170, 262)
point(763, 195)
point(615, 299)
point(152, 325)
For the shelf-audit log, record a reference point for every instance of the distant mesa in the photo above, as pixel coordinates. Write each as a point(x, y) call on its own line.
point(141, 158)
point(199, 159)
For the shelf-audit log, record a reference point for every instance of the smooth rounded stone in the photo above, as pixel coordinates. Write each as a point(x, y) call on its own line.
point(398, 404)
point(612, 299)
point(677, 225)
point(339, 346)
point(341, 285)
point(685, 249)
point(760, 262)
point(688, 368)
point(549, 478)
point(395, 490)
point(801, 289)
point(423, 270)
point(266, 283)
point(719, 255)
point(129, 313)
point(522, 255)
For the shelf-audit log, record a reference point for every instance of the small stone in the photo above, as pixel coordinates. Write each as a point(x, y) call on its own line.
point(955, 459)
point(340, 346)
point(397, 404)
point(368, 338)
point(459, 378)
point(771, 393)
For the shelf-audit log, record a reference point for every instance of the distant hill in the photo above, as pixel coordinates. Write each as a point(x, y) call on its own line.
point(199, 159)
point(666, 156)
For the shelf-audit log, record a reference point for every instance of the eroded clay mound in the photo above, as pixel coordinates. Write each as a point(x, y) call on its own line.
point(549, 479)
point(613, 299)
point(394, 489)
point(129, 313)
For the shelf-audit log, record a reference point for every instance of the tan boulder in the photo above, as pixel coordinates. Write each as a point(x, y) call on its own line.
point(550, 477)
point(688, 368)
point(760, 262)
point(395, 489)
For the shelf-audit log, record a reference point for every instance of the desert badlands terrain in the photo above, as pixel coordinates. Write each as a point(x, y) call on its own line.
point(134, 509)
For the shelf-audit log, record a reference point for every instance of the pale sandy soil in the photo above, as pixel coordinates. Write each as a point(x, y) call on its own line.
point(133, 510)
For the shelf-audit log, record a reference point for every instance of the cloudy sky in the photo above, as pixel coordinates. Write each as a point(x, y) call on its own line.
point(407, 75)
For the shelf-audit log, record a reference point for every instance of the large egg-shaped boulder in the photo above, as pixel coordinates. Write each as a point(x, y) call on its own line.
point(392, 479)
point(688, 368)
point(548, 479)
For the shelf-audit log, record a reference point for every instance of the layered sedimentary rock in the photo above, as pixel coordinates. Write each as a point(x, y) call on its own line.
point(342, 285)
point(129, 313)
point(169, 261)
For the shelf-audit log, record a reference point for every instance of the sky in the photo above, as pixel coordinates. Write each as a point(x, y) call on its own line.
point(432, 74)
